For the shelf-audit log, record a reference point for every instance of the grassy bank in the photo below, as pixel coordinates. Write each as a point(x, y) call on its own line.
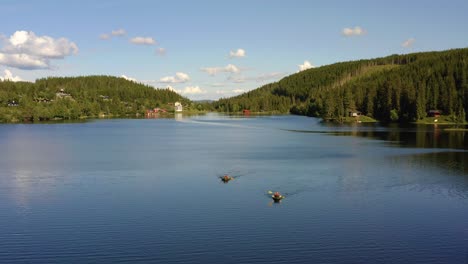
point(441, 120)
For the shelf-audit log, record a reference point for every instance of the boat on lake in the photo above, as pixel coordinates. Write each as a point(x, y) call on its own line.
point(226, 178)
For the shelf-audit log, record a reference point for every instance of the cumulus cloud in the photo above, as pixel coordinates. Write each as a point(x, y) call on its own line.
point(230, 68)
point(128, 78)
point(26, 50)
point(193, 90)
point(239, 53)
point(179, 77)
point(307, 65)
point(9, 77)
point(23, 42)
point(188, 90)
point(161, 51)
point(24, 61)
point(356, 31)
point(143, 41)
point(408, 43)
point(119, 32)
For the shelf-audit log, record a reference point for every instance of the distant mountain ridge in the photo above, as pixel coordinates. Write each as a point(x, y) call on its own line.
point(394, 88)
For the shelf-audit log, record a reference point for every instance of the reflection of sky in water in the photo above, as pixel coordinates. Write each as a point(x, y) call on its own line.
point(111, 190)
point(32, 161)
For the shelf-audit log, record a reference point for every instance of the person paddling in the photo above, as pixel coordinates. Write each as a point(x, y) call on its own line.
point(277, 196)
point(226, 178)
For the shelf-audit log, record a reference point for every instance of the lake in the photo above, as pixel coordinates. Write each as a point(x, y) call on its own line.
point(148, 190)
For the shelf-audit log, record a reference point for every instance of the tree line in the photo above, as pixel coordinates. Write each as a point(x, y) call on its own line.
point(395, 88)
point(79, 97)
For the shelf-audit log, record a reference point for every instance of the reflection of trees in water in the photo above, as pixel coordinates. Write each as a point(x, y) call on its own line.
point(420, 138)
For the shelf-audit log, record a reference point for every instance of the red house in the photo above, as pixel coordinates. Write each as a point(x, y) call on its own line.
point(246, 112)
point(434, 113)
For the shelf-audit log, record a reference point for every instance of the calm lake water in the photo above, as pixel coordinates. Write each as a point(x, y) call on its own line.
point(113, 191)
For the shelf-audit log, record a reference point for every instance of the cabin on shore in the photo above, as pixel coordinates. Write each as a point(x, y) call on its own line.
point(354, 113)
point(434, 113)
point(177, 107)
point(246, 112)
point(155, 112)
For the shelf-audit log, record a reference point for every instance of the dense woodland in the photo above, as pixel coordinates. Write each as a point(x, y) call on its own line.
point(395, 88)
point(80, 97)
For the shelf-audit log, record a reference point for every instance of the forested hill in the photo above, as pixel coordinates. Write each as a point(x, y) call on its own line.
point(397, 87)
point(77, 97)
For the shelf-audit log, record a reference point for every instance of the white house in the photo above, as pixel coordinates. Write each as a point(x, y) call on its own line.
point(178, 107)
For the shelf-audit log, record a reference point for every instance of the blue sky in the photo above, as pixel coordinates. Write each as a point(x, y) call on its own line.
point(212, 49)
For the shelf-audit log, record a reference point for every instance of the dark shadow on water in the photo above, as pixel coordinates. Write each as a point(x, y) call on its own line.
point(416, 138)
point(407, 135)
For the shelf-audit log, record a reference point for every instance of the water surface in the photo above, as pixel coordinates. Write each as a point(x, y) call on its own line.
point(148, 191)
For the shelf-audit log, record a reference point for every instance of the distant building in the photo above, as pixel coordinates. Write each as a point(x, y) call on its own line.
point(434, 113)
point(63, 94)
point(246, 112)
point(177, 107)
point(155, 112)
point(13, 103)
point(354, 113)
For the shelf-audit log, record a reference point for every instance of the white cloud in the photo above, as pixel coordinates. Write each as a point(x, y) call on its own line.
point(128, 78)
point(24, 61)
point(230, 68)
point(188, 90)
point(239, 53)
point(408, 43)
point(179, 77)
point(26, 50)
point(114, 33)
point(161, 51)
point(356, 31)
point(238, 90)
point(9, 76)
point(307, 65)
point(143, 41)
point(192, 90)
point(119, 32)
point(104, 36)
point(23, 42)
